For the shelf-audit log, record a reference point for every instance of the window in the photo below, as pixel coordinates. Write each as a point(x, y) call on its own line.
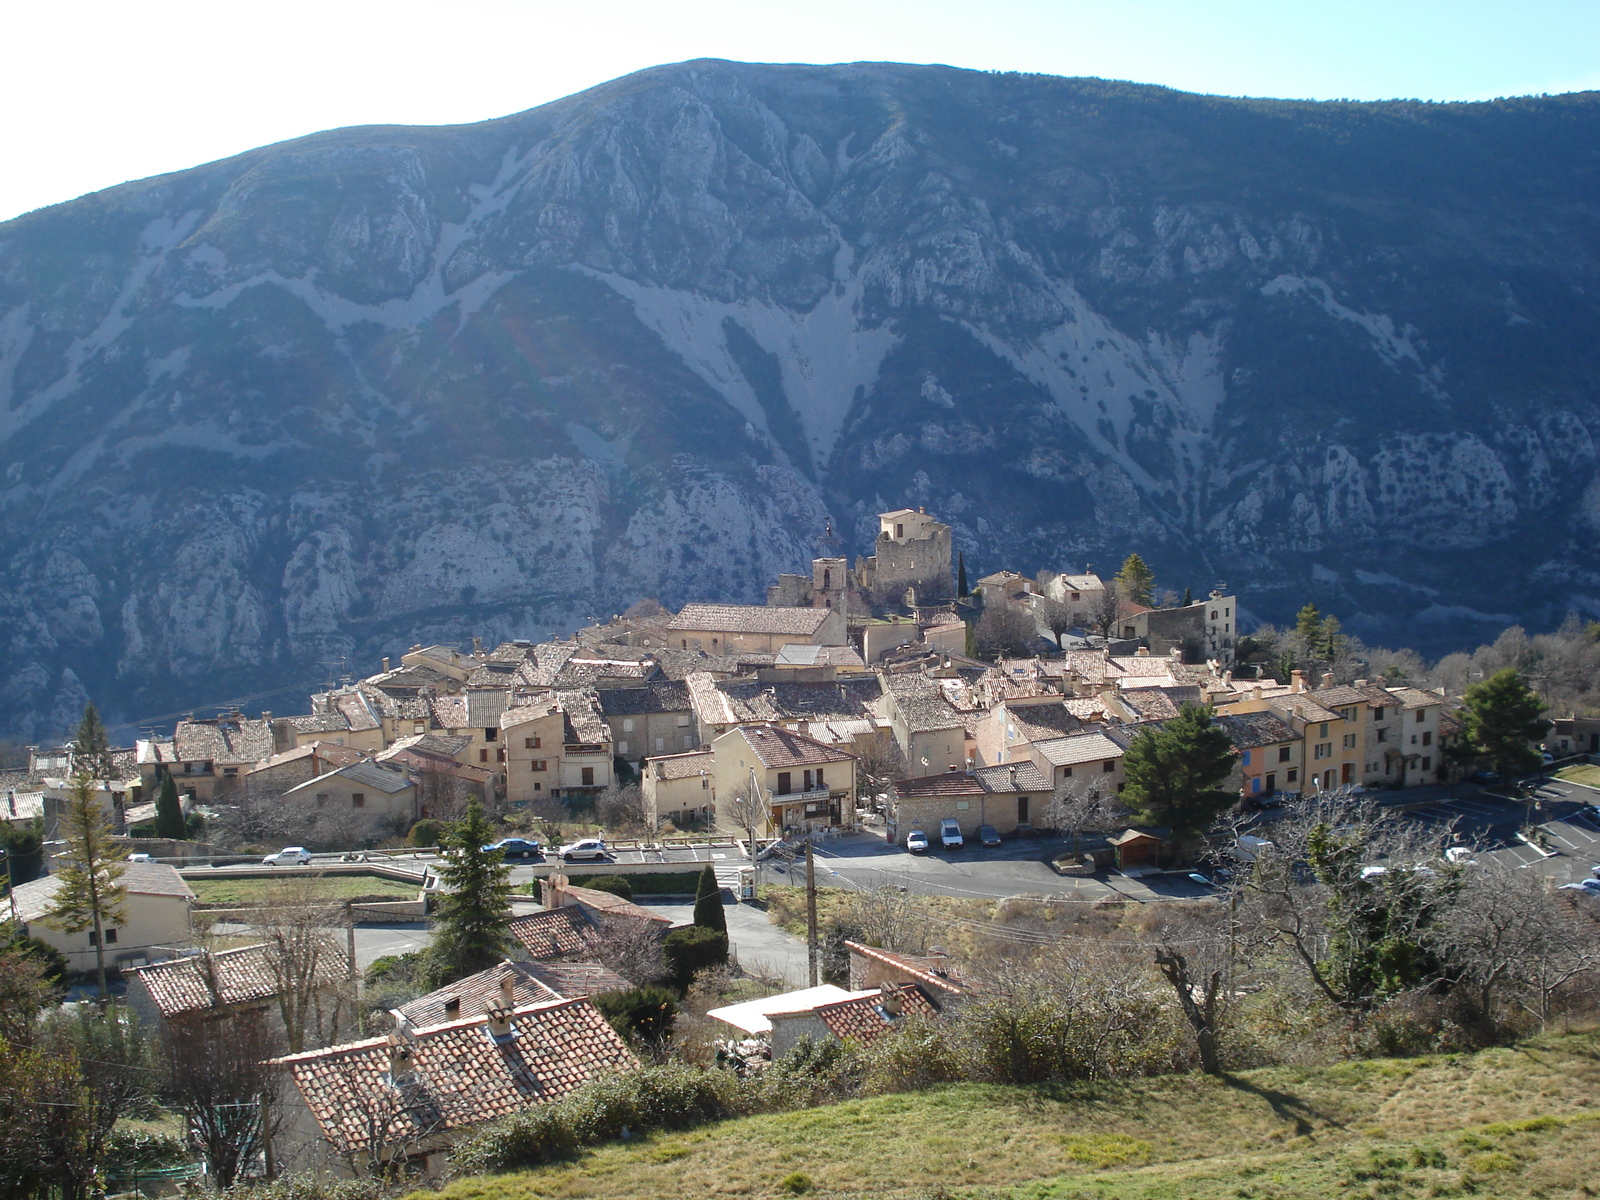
point(483, 756)
point(1110, 766)
point(963, 805)
point(538, 764)
point(808, 781)
point(1245, 758)
point(627, 724)
point(1293, 775)
point(418, 727)
point(1323, 750)
point(530, 743)
point(500, 754)
point(491, 735)
point(1066, 772)
point(111, 938)
point(1349, 741)
point(622, 747)
point(899, 531)
point(588, 777)
point(1075, 595)
point(1322, 730)
point(704, 783)
point(688, 741)
point(1213, 614)
point(1255, 784)
point(1022, 810)
point(1419, 716)
point(1272, 781)
point(322, 798)
point(1427, 764)
point(358, 799)
point(1377, 714)
point(538, 787)
point(783, 783)
point(1427, 737)
point(1283, 754)
point(819, 778)
point(230, 772)
point(683, 720)
point(661, 744)
point(1383, 735)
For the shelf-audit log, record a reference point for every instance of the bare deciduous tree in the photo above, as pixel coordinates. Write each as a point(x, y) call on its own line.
point(1105, 609)
point(1080, 806)
point(1005, 629)
point(308, 957)
point(1054, 616)
point(630, 947)
point(620, 807)
point(217, 1076)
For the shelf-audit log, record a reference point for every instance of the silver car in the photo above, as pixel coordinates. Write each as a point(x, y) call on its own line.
point(291, 856)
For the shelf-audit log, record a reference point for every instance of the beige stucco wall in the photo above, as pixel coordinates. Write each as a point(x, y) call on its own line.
point(152, 921)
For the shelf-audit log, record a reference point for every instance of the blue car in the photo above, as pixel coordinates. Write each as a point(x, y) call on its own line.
point(517, 848)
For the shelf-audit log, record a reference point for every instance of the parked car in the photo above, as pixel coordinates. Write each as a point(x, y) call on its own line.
point(140, 858)
point(292, 856)
point(518, 848)
point(917, 842)
point(1457, 855)
point(1589, 887)
point(950, 834)
point(1485, 777)
point(988, 836)
point(594, 848)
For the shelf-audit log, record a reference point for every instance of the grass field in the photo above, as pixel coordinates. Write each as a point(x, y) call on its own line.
point(1512, 1123)
point(335, 887)
point(1584, 773)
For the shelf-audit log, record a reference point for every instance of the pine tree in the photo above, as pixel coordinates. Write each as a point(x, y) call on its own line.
point(1504, 721)
point(1136, 580)
point(87, 894)
point(169, 812)
point(708, 912)
point(1308, 626)
point(473, 916)
point(92, 745)
point(1174, 773)
point(1188, 597)
point(961, 573)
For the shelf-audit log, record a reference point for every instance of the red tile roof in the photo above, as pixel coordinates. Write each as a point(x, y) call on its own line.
point(181, 986)
point(476, 995)
point(920, 969)
point(748, 618)
point(458, 1074)
point(552, 932)
point(865, 1018)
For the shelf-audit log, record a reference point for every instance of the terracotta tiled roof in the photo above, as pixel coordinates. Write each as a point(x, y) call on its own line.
point(330, 753)
point(469, 710)
point(1302, 706)
point(552, 932)
point(434, 745)
point(181, 986)
point(920, 969)
point(951, 783)
point(585, 725)
point(476, 995)
point(1247, 731)
point(1081, 748)
point(923, 705)
point(657, 696)
point(1037, 722)
point(748, 618)
point(458, 1074)
point(1012, 777)
point(785, 748)
point(866, 1018)
point(223, 740)
point(607, 904)
point(681, 766)
point(1411, 697)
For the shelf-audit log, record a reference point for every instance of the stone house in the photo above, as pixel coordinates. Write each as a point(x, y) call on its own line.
point(370, 792)
point(931, 732)
point(780, 696)
point(912, 552)
point(1010, 798)
point(729, 628)
point(398, 1102)
point(1419, 757)
point(806, 784)
point(1087, 758)
point(677, 787)
point(1081, 594)
point(654, 719)
point(157, 905)
point(1016, 797)
point(532, 736)
point(207, 758)
point(240, 983)
point(1012, 724)
point(475, 716)
point(507, 985)
point(862, 1018)
point(1342, 743)
point(1573, 735)
point(276, 775)
point(1206, 630)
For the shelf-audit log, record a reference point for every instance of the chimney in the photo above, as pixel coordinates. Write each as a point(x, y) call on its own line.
point(477, 647)
point(1297, 681)
point(1142, 652)
point(499, 1023)
point(922, 510)
point(1361, 683)
point(954, 767)
point(892, 1002)
point(1255, 692)
point(508, 983)
point(385, 664)
point(1327, 679)
point(399, 1057)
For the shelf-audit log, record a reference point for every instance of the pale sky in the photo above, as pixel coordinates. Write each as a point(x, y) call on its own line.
point(101, 91)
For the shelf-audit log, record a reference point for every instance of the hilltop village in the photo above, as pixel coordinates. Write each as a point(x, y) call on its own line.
point(856, 693)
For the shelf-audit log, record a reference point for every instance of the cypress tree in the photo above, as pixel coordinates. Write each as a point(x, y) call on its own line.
point(961, 573)
point(1188, 597)
point(93, 745)
point(708, 912)
point(169, 813)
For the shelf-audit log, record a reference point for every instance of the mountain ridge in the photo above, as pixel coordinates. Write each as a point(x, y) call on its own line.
point(397, 383)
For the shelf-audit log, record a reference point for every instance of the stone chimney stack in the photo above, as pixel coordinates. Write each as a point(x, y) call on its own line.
point(399, 1057)
point(1297, 681)
point(508, 983)
point(385, 664)
point(1327, 679)
point(499, 1023)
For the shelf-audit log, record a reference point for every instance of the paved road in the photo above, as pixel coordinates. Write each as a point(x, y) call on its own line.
point(372, 941)
point(760, 946)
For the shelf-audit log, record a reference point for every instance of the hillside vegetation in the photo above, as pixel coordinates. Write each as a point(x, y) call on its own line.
point(1508, 1122)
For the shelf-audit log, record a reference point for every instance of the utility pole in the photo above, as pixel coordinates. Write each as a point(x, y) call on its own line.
point(268, 1164)
point(811, 914)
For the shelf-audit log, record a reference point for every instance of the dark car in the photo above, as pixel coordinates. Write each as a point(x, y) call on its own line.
point(988, 836)
point(518, 848)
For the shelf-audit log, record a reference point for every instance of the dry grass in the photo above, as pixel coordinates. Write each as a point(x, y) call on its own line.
point(227, 890)
point(1511, 1122)
point(1584, 773)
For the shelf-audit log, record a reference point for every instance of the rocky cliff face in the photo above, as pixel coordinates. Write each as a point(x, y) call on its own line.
point(385, 384)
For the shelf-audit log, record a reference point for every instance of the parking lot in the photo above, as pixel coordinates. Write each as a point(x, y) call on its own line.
point(1564, 823)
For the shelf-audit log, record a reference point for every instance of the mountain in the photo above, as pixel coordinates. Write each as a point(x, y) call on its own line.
point(383, 385)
